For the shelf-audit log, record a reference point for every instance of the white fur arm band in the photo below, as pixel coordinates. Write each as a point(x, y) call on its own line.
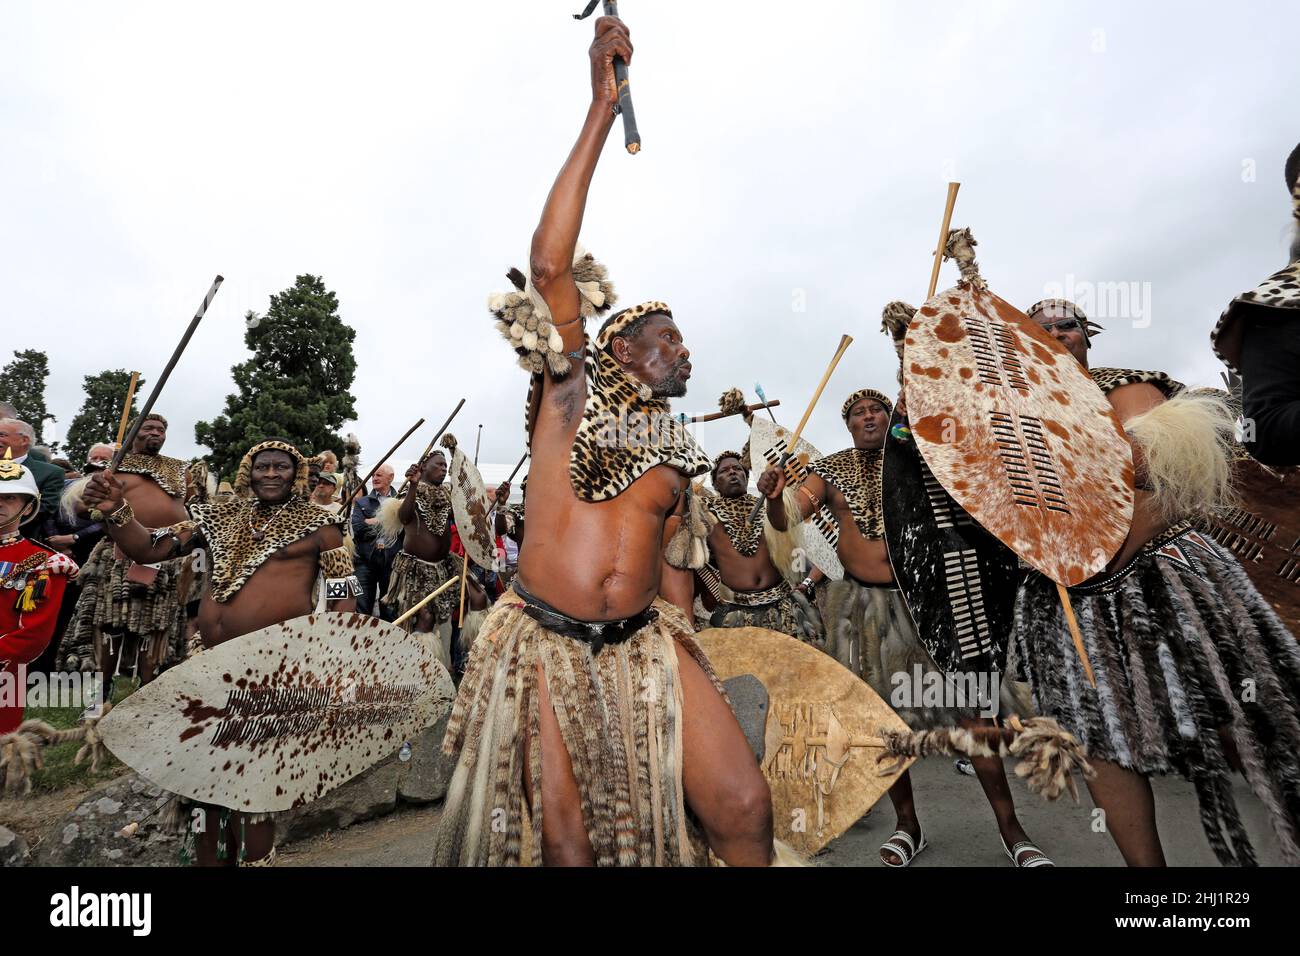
point(340, 589)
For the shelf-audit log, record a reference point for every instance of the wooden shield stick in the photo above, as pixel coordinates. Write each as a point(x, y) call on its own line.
point(631, 136)
point(845, 342)
point(126, 408)
point(943, 238)
point(129, 439)
point(433, 594)
point(715, 416)
point(464, 565)
point(347, 505)
point(428, 449)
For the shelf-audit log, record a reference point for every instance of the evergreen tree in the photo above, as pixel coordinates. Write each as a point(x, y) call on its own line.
point(22, 385)
point(101, 412)
point(296, 384)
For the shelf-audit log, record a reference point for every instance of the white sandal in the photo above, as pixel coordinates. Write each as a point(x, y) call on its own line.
point(901, 844)
point(1025, 846)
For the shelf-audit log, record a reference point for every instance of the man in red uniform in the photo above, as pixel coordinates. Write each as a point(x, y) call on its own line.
point(32, 579)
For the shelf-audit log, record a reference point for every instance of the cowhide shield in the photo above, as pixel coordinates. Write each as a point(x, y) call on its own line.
point(471, 506)
point(958, 580)
point(1264, 534)
point(281, 716)
point(1014, 429)
point(820, 533)
point(822, 736)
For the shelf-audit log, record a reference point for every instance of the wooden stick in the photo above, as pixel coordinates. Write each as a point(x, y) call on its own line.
point(428, 449)
point(1074, 632)
point(129, 439)
point(943, 238)
point(379, 464)
point(441, 587)
point(845, 342)
point(126, 408)
point(517, 467)
point(714, 416)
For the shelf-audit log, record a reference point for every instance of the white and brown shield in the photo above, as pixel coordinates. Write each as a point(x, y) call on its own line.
point(820, 533)
point(472, 507)
point(823, 730)
point(1015, 430)
point(281, 716)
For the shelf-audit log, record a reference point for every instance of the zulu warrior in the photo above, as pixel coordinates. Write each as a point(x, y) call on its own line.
point(748, 557)
point(425, 561)
point(869, 629)
point(274, 556)
point(589, 726)
point(1194, 671)
point(131, 617)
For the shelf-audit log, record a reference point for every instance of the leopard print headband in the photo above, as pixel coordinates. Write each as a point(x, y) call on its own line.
point(626, 318)
point(243, 477)
point(859, 395)
point(1065, 309)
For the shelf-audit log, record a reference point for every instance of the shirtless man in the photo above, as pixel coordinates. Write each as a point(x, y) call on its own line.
point(289, 542)
point(758, 594)
point(869, 629)
point(143, 634)
point(425, 561)
point(587, 667)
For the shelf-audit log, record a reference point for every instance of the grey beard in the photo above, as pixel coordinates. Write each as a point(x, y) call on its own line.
point(670, 386)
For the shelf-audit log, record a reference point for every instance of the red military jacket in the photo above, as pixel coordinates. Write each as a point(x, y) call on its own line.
point(32, 581)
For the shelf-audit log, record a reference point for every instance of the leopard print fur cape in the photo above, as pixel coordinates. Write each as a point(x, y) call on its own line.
point(623, 433)
point(1281, 290)
point(169, 473)
point(857, 473)
point(433, 505)
point(1109, 379)
point(225, 528)
point(734, 514)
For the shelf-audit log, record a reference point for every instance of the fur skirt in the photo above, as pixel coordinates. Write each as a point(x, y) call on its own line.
point(1185, 652)
point(619, 714)
point(411, 581)
point(790, 613)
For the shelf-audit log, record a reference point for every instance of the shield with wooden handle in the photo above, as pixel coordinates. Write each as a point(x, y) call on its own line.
point(823, 733)
point(279, 717)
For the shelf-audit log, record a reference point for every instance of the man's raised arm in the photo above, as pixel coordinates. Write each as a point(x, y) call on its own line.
point(551, 258)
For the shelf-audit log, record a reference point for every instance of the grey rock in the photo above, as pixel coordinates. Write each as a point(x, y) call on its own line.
point(13, 848)
point(428, 772)
point(90, 835)
point(369, 794)
point(749, 702)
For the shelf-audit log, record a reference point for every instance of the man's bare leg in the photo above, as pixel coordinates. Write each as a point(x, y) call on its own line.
point(993, 778)
point(1130, 809)
point(724, 786)
point(564, 836)
point(900, 795)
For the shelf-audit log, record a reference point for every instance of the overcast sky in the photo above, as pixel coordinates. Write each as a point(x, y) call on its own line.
point(795, 158)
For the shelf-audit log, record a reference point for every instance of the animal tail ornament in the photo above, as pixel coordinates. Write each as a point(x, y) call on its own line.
point(1187, 446)
point(21, 751)
point(961, 248)
point(72, 497)
point(524, 320)
point(781, 545)
point(733, 402)
point(388, 520)
point(894, 320)
point(1048, 755)
point(688, 549)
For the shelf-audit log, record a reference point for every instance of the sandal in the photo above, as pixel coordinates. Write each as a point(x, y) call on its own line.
point(1025, 846)
point(901, 844)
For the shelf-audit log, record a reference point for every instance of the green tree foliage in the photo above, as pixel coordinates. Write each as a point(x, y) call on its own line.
point(22, 385)
point(101, 412)
point(296, 384)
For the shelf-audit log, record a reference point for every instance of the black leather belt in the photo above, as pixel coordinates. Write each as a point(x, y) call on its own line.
point(597, 633)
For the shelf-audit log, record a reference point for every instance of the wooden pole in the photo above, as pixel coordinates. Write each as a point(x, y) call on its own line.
point(464, 565)
point(129, 438)
point(845, 342)
point(943, 238)
point(347, 505)
point(714, 416)
point(428, 449)
point(126, 408)
point(1074, 632)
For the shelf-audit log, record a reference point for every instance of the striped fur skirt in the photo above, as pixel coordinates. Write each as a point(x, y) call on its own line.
point(1183, 649)
point(619, 713)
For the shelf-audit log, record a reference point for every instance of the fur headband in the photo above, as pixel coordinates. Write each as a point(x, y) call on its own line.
point(243, 477)
point(626, 318)
point(151, 417)
point(859, 395)
point(717, 462)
